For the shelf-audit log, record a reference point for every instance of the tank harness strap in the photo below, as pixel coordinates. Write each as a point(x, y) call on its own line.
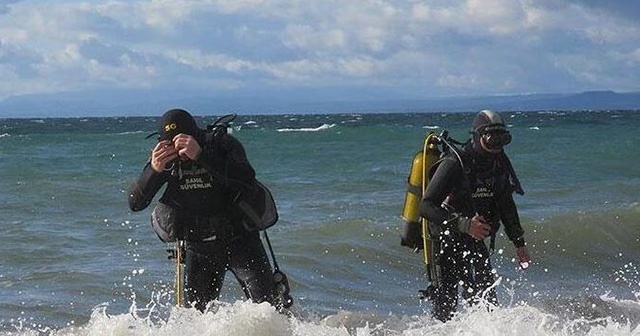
point(492, 243)
point(416, 190)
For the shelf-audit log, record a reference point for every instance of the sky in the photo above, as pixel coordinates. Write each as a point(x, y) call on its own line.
point(400, 48)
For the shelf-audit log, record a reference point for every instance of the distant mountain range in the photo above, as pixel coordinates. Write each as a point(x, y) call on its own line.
point(147, 103)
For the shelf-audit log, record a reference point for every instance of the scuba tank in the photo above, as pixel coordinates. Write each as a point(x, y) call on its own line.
point(415, 232)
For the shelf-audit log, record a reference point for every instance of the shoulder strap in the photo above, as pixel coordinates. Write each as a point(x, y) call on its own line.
point(513, 179)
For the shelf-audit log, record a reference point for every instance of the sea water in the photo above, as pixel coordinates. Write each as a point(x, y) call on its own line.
point(76, 261)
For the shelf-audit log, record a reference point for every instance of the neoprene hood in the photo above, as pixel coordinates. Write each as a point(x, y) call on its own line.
point(487, 121)
point(177, 121)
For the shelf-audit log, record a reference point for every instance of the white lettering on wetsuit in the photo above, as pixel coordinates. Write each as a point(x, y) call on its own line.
point(196, 179)
point(197, 171)
point(195, 185)
point(482, 192)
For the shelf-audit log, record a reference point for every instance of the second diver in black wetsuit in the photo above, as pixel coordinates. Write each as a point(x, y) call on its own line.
point(465, 204)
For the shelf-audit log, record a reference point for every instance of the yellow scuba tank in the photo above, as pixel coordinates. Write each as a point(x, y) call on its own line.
point(411, 210)
point(417, 184)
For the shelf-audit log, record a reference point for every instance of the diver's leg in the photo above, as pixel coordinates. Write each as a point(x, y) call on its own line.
point(444, 299)
point(485, 275)
point(250, 265)
point(481, 276)
point(205, 268)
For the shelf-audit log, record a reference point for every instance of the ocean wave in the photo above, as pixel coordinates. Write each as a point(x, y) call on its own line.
point(130, 132)
point(604, 232)
point(323, 127)
point(244, 318)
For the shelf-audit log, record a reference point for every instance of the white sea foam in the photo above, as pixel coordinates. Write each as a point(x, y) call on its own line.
point(244, 318)
point(131, 132)
point(323, 127)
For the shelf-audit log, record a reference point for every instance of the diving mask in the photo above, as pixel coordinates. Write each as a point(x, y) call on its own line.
point(496, 139)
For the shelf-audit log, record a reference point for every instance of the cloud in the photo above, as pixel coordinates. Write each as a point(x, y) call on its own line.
point(4, 5)
point(629, 10)
point(443, 47)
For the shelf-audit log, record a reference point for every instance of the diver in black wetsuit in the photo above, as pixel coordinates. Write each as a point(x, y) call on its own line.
point(202, 175)
point(465, 204)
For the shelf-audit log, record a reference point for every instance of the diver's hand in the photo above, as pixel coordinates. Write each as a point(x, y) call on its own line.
point(187, 147)
point(163, 153)
point(479, 229)
point(523, 257)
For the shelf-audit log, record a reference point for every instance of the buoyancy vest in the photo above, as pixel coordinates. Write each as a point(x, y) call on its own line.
point(200, 200)
point(484, 180)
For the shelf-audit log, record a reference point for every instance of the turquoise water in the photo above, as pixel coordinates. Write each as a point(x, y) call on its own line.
point(76, 261)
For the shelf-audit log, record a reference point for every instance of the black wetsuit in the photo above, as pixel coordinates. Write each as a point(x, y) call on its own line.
point(450, 197)
point(216, 240)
